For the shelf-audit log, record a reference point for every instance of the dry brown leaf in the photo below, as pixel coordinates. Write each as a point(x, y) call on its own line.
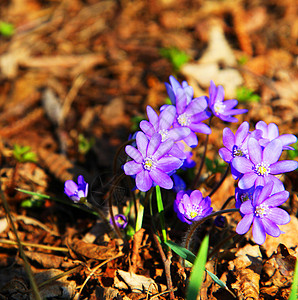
point(247, 268)
point(289, 238)
point(140, 283)
point(278, 273)
point(92, 250)
point(59, 288)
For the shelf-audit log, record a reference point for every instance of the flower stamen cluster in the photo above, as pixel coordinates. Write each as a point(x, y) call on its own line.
point(262, 169)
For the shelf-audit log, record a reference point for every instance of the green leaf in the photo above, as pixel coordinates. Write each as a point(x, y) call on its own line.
point(197, 274)
point(6, 29)
point(294, 290)
point(244, 94)
point(220, 283)
point(292, 154)
point(190, 257)
point(23, 154)
point(177, 57)
point(181, 251)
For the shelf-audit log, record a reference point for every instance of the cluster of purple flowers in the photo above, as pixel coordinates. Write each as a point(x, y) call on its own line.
point(253, 156)
point(159, 151)
point(254, 160)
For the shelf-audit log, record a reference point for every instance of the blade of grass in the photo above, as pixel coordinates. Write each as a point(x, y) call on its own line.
point(161, 213)
point(294, 290)
point(197, 274)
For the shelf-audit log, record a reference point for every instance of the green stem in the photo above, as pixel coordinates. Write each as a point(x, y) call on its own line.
point(161, 213)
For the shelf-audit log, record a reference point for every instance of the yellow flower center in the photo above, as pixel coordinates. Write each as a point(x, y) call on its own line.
point(261, 210)
point(193, 214)
point(183, 119)
point(262, 169)
point(219, 107)
point(148, 163)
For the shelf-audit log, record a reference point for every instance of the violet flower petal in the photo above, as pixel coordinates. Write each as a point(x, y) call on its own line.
point(247, 208)
point(241, 133)
point(225, 154)
point(247, 180)
point(283, 166)
point(134, 153)
point(258, 231)
point(162, 179)
point(147, 128)
point(132, 168)
point(272, 152)
point(154, 143)
point(167, 117)
point(277, 199)
point(270, 227)
point(143, 181)
point(142, 143)
point(168, 164)
point(255, 151)
point(163, 149)
point(244, 225)
point(228, 138)
point(280, 216)
point(242, 165)
point(265, 193)
point(152, 115)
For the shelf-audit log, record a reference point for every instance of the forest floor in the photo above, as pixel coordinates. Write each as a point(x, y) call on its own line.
point(76, 77)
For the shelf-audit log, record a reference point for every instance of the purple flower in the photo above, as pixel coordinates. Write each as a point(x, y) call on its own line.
point(235, 145)
point(243, 195)
point(263, 213)
point(220, 108)
point(162, 124)
point(120, 220)
point(190, 206)
point(172, 90)
point(262, 165)
point(271, 132)
point(189, 112)
point(76, 192)
point(151, 162)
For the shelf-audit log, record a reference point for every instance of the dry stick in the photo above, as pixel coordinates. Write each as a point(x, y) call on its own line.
point(167, 265)
point(22, 254)
point(9, 242)
point(220, 182)
point(197, 178)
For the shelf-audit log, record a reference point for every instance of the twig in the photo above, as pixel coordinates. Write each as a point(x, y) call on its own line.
point(9, 242)
point(167, 265)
